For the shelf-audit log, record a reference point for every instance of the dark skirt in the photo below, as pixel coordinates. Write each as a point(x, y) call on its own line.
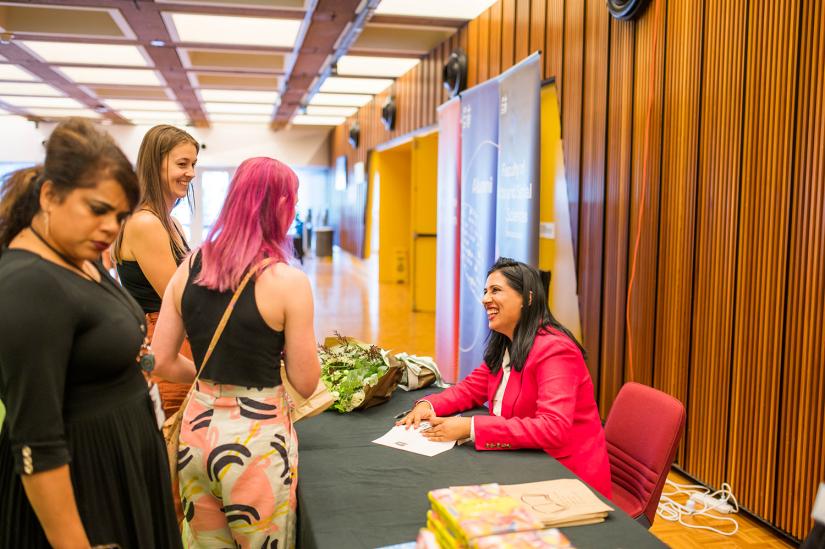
point(120, 479)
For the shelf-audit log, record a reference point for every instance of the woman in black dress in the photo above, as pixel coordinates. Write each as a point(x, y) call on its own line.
point(82, 462)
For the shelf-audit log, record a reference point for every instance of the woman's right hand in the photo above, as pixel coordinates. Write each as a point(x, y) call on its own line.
point(422, 411)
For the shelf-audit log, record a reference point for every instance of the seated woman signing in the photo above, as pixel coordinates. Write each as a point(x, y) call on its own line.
point(534, 377)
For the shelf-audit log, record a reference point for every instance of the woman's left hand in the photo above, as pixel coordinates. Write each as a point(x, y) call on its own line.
point(445, 429)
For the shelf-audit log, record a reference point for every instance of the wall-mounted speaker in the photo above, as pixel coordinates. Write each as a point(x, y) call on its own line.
point(626, 9)
point(455, 73)
point(388, 113)
point(355, 134)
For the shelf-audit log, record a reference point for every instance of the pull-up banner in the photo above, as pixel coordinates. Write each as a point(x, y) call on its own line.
point(517, 188)
point(447, 241)
point(479, 168)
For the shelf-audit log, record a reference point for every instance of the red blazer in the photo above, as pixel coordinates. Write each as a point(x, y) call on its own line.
point(549, 405)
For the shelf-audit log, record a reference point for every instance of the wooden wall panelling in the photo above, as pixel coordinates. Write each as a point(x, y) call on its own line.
point(508, 33)
point(617, 210)
point(495, 39)
point(763, 251)
point(427, 89)
point(680, 148)
point(417, 97)
point(717, 219)
point(571, 108)
point(484, 46)
point(801, 460)
point(591, 232)
point(538, 25)
point(644, 215)
point(472, 53)
point(554, 41)
point(435, 84)
point(522, 37)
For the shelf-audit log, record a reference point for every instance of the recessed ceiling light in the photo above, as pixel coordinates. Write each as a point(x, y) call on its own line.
point(321, 110)
point(15, 88)
point(340, 99)
point(94, 75)
point(62, 113)
point(241, 118)
point(307, 120)
point(362, 65)
point(142, 105)
point(244, 108)
point(157, 43)
point(13, 72)
point(54, 102)
point(226, 29)
point(154, 115)
point(87, 54)
point(239, 96)
point(339, 84)
point(466, 9)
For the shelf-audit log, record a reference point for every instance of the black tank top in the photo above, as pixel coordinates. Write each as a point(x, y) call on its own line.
point(248, 352)
point(135, 282)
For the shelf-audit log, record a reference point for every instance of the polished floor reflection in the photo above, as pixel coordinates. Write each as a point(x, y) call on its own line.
point(350, 300)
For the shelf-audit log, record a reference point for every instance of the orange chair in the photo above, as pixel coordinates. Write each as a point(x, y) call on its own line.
point(642, 431)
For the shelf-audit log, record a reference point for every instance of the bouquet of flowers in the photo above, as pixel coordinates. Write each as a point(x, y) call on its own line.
point(357, 374)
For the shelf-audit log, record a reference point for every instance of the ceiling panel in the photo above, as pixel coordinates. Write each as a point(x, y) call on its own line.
point(246, 81)
point(223, 29)
point(272, 4)
point(87, 54)
point(58, 21)
point(120, 92)
point(233, 60)
point(15, 73)
point(388, 39)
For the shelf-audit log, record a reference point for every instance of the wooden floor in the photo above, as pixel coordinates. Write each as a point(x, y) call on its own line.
point(349, 299)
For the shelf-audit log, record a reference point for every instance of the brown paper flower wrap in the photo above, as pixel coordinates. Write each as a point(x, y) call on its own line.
point(357, 374)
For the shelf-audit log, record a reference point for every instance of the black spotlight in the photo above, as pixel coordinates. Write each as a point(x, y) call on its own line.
point(626, 9)
point(455, 72)
point(388, 113)
point(354, 134)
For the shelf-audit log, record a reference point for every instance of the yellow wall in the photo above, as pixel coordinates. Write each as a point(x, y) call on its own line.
point(424, 220)
point(394, 228)
point(556, 253)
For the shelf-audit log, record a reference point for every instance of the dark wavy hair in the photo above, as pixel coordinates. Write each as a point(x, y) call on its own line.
point(77, 156)
point(535, 316)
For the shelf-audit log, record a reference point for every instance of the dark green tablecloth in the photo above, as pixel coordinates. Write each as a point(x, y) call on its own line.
point(356, 494)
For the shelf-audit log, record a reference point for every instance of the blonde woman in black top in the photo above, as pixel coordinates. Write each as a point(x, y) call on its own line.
point(82, 462)
point(152, 245)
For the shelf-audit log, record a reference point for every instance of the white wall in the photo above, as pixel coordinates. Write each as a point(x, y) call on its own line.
point(226, 144)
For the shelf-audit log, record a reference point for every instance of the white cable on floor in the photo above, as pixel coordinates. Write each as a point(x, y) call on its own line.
point(698, 504)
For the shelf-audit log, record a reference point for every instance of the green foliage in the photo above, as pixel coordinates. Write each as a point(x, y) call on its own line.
point(349, 369)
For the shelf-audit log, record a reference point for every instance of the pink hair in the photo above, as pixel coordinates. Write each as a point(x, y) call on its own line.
point(252, 225)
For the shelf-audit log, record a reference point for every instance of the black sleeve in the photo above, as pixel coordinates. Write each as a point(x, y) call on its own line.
point(36, 332)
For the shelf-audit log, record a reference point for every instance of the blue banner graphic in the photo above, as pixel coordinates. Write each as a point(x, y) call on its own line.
point(479, 169)
point(518, 183)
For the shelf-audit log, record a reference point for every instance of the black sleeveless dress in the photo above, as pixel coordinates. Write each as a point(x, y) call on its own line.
point(75, 395)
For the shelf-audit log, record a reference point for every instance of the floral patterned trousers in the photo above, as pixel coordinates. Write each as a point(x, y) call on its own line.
point(238, 464)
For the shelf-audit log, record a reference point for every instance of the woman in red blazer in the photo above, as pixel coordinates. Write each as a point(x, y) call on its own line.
point(534, 378)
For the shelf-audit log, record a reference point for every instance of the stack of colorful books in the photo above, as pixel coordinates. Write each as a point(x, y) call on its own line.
point(485, 517)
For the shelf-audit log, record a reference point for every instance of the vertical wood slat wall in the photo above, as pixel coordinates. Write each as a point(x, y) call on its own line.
point(700, 127)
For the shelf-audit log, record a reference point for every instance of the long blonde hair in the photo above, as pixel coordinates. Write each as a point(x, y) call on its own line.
point(154, 150)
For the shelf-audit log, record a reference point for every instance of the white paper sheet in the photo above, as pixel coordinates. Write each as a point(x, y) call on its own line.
point(411, 440)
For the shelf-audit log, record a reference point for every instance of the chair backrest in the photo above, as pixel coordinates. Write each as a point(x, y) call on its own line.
point(642, 430)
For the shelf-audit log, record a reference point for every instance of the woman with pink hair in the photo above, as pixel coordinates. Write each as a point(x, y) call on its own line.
point(238, 457)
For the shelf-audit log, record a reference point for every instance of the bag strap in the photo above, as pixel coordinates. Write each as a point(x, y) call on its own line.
point(228, 312)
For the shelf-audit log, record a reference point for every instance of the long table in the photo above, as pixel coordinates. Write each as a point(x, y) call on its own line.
point(354, 494)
